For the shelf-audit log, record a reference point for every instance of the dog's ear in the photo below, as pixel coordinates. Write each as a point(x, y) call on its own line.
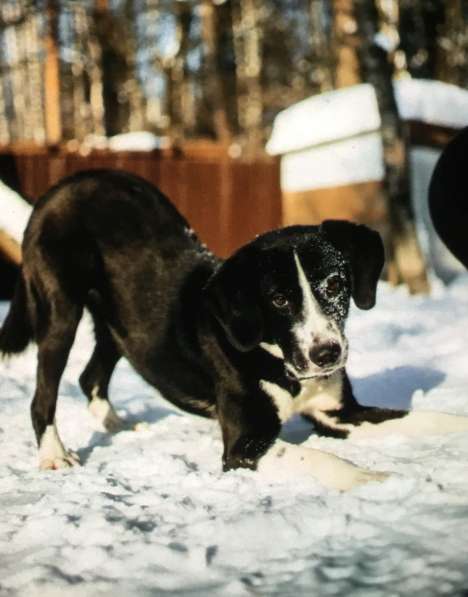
point(230, 296)
point(364, 250)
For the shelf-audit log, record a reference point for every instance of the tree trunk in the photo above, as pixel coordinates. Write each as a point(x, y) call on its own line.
point(406, 263)
point(345, 42)
point(247, 46)
point(453, 63)
point(319, 46)
point(213, 74)
point(175, 72)
point(52, 76)
point(419, 29)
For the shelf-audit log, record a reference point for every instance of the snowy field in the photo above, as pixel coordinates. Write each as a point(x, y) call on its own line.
point(150, 513)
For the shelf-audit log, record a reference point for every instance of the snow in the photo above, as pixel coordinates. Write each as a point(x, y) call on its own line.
point(150, 513)
point(325, 118)
point(344, 162)
point(353, 111)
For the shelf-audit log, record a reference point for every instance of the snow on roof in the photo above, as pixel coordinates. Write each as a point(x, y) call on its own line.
point(324, 118)
point(432, 102)
point(14, 212)
point(354, 110)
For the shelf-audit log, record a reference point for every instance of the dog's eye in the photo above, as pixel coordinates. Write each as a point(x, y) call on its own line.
point(333, 286)
point(279, 301)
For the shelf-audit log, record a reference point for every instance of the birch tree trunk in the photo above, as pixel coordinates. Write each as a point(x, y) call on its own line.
point(405, 263)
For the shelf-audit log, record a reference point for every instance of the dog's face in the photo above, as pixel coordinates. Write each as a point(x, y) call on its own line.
point(289, 292)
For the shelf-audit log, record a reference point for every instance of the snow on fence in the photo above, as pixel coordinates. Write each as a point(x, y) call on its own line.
point(332, 155)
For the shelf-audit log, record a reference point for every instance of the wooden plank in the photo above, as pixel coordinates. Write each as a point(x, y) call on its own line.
point(9, 248)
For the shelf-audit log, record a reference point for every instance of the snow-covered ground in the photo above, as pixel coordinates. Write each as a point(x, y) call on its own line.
point(150, 513)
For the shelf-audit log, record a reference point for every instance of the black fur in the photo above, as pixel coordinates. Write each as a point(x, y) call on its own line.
point(448, 196)
point(190, 324)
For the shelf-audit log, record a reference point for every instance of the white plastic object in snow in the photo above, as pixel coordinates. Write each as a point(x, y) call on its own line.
point(14, 212)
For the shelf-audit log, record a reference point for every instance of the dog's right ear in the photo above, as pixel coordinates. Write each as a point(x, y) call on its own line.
point(231, 300)
point(364, 250)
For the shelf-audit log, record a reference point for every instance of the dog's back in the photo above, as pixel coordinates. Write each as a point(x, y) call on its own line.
point(106, 234)
point(112, 243)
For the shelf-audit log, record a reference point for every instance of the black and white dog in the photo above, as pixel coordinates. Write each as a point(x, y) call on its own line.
point(248, 341)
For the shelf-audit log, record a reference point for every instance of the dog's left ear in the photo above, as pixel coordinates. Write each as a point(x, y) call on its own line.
point(364, 250)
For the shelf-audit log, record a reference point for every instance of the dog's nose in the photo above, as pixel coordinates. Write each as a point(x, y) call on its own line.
point(325, 354)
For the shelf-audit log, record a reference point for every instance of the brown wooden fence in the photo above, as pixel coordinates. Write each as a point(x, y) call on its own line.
point(226, 201)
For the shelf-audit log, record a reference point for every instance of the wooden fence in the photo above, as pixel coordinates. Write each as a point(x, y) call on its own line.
point(226, 201)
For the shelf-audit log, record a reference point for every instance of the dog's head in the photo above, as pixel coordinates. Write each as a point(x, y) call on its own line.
point(289, 290)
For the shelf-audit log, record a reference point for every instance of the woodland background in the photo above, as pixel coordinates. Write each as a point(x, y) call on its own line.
point(207, 78)
point(206, 69)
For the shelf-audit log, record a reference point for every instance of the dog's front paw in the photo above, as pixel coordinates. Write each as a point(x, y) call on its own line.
point(52, 454)
point(103, 411)
point(65, 460)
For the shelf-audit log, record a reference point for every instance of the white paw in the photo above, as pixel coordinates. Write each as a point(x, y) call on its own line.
point(104, 412)
point(67, 460)
point(52, 454)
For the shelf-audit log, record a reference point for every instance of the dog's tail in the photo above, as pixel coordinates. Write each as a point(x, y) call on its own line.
point(17, 330)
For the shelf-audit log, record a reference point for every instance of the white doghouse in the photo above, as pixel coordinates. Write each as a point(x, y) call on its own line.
point(332, 157)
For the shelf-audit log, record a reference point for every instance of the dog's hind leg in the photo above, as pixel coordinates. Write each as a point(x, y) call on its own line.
point(54, 344)
point(94, 380)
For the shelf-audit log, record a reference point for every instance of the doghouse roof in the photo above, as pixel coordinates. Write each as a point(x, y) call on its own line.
point(352, 111)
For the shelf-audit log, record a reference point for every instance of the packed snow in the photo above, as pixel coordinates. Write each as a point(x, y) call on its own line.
point(150, 513)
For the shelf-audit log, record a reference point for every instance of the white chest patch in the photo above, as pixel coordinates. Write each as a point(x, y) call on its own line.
point(282, 399)
point(316, 396)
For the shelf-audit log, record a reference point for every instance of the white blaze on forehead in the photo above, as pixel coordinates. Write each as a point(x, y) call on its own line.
point(313, 321)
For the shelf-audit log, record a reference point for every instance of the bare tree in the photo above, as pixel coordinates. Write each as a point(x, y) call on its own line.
point(453, 40)
point(419, 29)
point(406, 261)
point(248, 46)
point(211, 32)
point(345, 43)
point(52, 75)
point(319, 45)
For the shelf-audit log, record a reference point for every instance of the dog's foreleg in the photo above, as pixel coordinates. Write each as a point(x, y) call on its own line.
point(52, 454)
point(413, 424)
point(285, 461)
